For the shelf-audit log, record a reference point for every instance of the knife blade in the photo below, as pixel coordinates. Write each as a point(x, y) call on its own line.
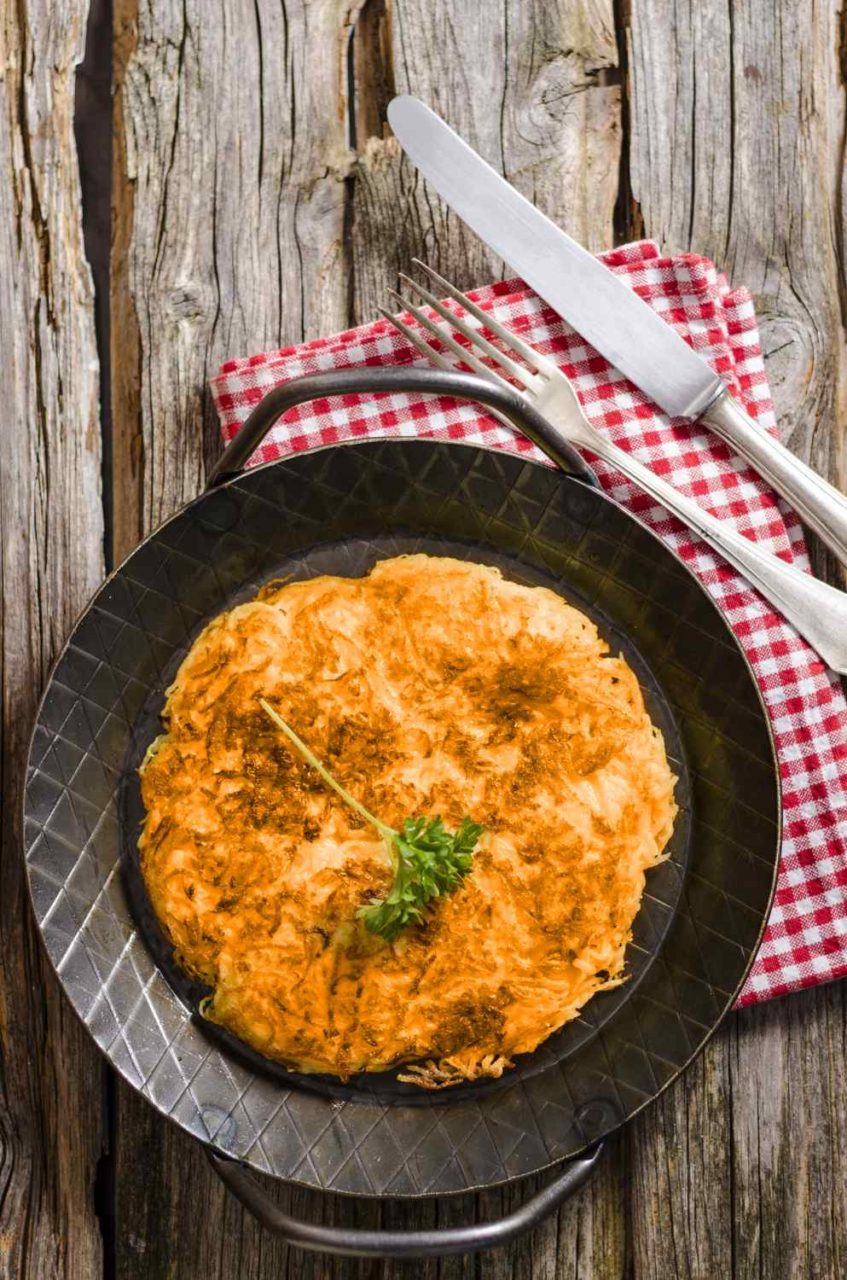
point(604, 310)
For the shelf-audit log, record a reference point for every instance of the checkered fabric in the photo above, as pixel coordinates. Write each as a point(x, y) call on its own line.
point(806, 938)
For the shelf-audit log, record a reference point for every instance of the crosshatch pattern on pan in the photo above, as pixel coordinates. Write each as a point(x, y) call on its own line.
point(123, 651)
point(355, 557)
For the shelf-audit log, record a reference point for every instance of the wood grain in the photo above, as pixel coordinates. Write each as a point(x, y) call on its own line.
point(52, 558)
point(230, 167)
point(527, 85)
point(257, 200)
point(737, 120)
point(683, 1193)
point(244, 220)
point(229, 211)
point(737, 152)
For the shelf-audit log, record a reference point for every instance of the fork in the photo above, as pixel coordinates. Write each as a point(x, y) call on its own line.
point(816, 610)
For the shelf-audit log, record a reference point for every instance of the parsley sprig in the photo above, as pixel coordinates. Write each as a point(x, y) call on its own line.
point(428, 859)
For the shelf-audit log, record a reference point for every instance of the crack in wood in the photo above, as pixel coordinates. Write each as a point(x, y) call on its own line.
point(370, 78)
point(125, 349)
point(628, 219)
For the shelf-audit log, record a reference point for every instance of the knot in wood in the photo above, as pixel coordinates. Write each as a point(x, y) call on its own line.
point(187, 302)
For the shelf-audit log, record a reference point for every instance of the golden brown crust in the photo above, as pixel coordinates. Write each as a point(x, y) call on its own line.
point(430, 687)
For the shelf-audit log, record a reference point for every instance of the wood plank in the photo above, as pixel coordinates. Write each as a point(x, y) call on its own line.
point(728, 1173)
point(736, 141)
point(229, 207)
point(229, 211)
point(540, 107)
point(739, 1169)
point(736, 152)
point(52, 558)
point(238, 227)
point(680, 1202)
point(789, 1123)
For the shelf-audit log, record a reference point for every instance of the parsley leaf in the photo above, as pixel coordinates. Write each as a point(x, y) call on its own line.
point(429, 860)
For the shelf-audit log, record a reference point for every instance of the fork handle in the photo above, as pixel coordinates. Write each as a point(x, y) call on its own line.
point(816, 610)
point(818, 503)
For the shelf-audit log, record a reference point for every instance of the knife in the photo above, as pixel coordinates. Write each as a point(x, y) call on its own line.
point(606, 312)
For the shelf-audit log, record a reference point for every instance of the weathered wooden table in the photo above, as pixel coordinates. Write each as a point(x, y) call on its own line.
point(256, 199)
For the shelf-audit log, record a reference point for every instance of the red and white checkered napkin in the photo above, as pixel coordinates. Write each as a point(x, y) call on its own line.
point(806, 938)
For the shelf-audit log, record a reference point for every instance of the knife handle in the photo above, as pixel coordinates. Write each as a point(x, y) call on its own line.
point(818, 504)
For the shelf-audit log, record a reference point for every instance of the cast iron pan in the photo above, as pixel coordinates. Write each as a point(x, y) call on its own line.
point(338, 510)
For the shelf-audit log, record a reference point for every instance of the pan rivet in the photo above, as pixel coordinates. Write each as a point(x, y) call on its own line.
point(219, 1124)
point(595, 1117)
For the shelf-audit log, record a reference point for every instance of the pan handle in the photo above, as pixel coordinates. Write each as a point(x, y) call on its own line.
point(353, 1242)
point(437, 382)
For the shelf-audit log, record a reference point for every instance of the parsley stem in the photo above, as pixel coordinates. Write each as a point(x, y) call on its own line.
point(309, 756)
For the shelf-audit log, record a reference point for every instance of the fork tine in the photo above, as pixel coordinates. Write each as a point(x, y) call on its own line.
point(473, 335)
point(420, 344)
point(464, 355)
point(541, 364)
